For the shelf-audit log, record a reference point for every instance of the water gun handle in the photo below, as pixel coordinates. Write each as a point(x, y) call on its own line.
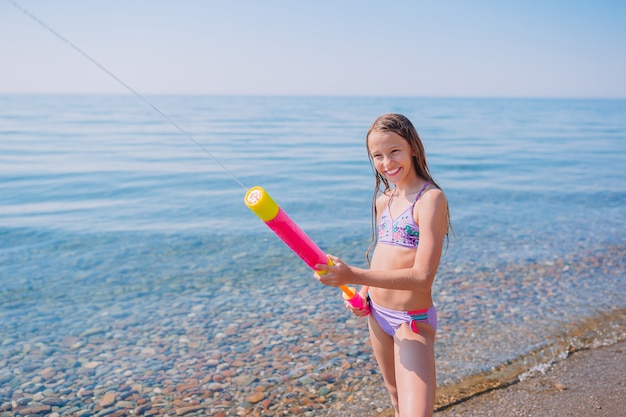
point(353, 297)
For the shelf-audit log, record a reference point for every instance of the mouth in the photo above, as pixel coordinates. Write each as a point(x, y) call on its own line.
point(392, 172)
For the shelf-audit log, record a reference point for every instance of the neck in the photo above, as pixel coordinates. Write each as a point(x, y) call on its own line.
point(404, 190)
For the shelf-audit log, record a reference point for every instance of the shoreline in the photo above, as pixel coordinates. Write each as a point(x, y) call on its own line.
point(588, 382)
point(605, 329)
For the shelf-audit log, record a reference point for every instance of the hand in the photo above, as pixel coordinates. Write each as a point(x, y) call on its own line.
point(360, 312)
point(333, 275)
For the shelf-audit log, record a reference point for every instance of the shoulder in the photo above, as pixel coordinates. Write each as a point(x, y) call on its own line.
point(432, 203)
point(433, 195)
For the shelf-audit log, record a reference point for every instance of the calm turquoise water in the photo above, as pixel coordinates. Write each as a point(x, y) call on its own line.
point(106, 211)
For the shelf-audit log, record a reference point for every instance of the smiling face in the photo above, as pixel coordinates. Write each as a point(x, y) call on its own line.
point(392, 156)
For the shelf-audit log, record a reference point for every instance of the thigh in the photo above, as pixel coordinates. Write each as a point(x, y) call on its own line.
point(383, 346)
point(415, 369)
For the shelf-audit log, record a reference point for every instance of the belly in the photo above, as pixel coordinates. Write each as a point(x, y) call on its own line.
point(388, 257)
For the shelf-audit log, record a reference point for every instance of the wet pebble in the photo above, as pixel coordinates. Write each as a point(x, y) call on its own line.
point(255, 397)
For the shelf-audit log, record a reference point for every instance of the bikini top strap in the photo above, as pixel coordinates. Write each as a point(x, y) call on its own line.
point(421, 191)
point(393, 194)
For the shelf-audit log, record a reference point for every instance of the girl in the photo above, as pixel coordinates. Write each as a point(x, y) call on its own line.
point(410, 222)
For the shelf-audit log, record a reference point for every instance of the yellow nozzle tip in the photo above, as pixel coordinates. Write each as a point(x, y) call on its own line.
point(260, 202)
point(253, 196)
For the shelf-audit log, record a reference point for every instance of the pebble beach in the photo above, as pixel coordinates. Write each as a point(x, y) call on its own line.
point(310, 362)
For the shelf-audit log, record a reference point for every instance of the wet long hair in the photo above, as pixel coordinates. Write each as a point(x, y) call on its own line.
point(402, 126)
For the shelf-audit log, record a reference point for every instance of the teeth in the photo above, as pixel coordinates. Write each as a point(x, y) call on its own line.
point(395, 171)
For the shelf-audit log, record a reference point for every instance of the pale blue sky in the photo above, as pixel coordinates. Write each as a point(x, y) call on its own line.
point(462, 48)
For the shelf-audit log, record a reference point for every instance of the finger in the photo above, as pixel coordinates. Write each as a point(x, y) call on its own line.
point(326, 280)
point(322, 267)
point(333, 258)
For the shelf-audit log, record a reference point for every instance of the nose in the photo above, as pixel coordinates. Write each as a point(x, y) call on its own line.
point(386, 160)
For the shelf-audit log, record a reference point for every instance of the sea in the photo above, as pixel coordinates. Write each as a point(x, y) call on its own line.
point(124, 235)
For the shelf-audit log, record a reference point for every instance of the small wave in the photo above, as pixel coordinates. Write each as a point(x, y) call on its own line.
point(543, 368)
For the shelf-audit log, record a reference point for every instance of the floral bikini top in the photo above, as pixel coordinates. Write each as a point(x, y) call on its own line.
point(403, 231)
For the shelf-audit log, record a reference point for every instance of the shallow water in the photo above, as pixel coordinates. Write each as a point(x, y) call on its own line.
point(113, 220)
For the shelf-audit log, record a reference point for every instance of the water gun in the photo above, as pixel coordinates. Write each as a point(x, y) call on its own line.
point(261, 204)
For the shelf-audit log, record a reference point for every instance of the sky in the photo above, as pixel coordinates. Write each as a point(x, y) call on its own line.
point(418, 48)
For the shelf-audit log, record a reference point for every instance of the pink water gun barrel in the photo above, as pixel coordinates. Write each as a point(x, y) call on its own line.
point(261, 204)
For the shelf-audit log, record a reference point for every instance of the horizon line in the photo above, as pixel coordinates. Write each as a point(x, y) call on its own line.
point(313, 95)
